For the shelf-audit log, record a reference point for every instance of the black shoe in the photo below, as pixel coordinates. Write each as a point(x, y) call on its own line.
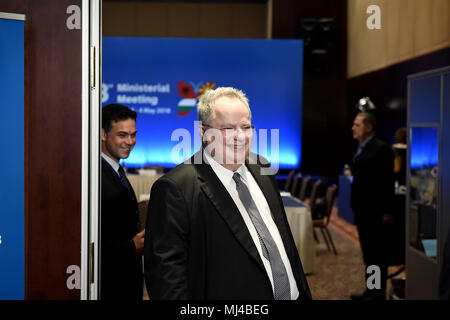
point(377, 295)
point(359, 296)
point(368, 295)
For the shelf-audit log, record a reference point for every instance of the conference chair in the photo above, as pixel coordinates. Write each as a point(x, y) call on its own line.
point(322, 223)
point(314, 193)
point(290, 179)
point(142, 209)
point(295, 188)
point(304, 188)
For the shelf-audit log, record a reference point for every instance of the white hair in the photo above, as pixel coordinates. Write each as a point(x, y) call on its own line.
point(205, 107)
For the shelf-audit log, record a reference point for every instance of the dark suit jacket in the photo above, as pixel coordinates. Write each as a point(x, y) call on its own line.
point(372, 188)
point(197, 245)
point(121, 269)
point(372, 195)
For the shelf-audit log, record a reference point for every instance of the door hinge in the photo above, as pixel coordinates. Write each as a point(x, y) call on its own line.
point(91, 262)
point(92, 66)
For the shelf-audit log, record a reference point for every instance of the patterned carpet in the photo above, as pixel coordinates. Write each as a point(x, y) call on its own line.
point(337, 276)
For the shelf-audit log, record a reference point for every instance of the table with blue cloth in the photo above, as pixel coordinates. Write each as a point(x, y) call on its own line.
point(300, 222)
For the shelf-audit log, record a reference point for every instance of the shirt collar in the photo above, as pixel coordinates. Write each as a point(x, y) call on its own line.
point(113, 163)
point(363, 144)
point(225, 175)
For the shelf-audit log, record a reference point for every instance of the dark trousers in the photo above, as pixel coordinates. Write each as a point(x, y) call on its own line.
point(378, 293)
point(374, 250)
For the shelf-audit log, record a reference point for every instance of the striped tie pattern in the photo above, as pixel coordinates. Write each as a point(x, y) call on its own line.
point(270, 251)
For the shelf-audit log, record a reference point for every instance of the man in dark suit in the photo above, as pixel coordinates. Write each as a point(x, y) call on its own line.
point(372, 193)
point(121, 242)
point(216, 226)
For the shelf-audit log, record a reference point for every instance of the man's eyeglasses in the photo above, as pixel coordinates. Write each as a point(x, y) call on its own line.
point(230, 132)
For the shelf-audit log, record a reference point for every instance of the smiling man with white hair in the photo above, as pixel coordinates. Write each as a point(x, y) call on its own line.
point(226, 128)
point(217, 229)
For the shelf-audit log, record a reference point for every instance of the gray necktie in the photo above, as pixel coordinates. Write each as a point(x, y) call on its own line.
point(270, 251)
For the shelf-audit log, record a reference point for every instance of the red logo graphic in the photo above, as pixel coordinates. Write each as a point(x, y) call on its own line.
point(189, 96)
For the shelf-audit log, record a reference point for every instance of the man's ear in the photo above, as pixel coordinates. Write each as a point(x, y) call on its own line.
point(201, 130)
point(103, 135)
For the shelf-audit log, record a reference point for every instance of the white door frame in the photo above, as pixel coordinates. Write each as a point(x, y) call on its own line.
point(90, 155)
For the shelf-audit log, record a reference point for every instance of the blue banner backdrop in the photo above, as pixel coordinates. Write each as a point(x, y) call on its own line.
point(12, 251)
point(161, 78)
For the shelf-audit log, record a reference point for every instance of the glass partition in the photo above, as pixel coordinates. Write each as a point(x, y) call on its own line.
point(424, 155)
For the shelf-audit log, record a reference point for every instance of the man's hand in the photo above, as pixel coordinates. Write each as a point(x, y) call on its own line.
point(139, 242)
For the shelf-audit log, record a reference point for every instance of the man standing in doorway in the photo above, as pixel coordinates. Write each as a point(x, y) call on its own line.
point(122, 244)
point(216, 228)
point(372, 193)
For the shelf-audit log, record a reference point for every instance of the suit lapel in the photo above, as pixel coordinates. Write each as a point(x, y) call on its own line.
point(366, 150)
point(221, 199)
point(112, 174)
point(114, 184)
point(267, 189)
point(117, 180)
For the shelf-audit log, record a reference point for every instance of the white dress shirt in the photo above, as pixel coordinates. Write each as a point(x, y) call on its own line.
point(226, 177)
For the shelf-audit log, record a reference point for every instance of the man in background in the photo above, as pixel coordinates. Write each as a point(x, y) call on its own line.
point(372, 194)
point(122, 244)
point(216, 226)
